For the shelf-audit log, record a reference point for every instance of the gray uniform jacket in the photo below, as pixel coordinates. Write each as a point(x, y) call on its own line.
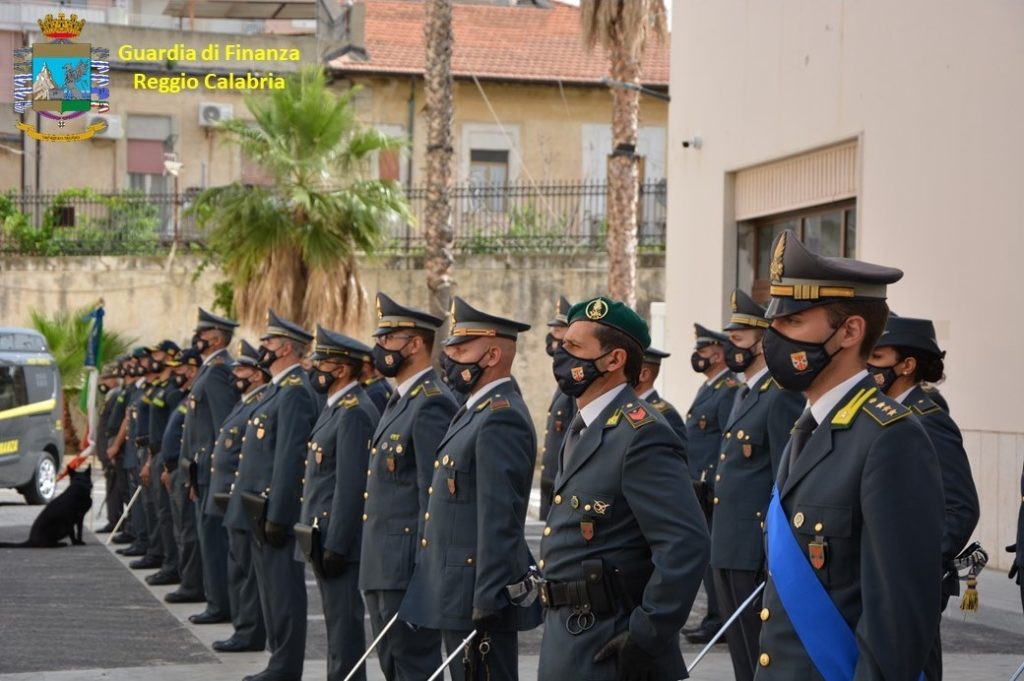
point(273, 456)
point(473, 545)
point(211, 398)
point(867, 483)
point(399, 474)
point(228, 447)
point(336, 459)
point(137, 413)
point(670, 413)
point(751, 449)
point(163, 400)
point(705, 423)
point(625, 498)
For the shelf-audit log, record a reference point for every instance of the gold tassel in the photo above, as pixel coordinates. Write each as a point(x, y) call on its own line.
point(969, 602)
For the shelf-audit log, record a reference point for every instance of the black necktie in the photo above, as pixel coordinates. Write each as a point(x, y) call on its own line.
point(805, 425)
point(572, 438)
point(392, 402)
point(740, 396)
point(458, 415)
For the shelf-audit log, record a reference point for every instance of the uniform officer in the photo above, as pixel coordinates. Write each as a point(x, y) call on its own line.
point(117, 435)
point(854, 531)
point(136, 424)
point(113, 473)
point(398, 479)
point(211, 398)
point(625, 544)
point(332, 499)
point(186, 531)
point(560, 412)
point(645, 390)
point(479, 495)
point(1017, 548)
point(755, 435)
point(375, 386)
point(163, 400)
point(905, 357)
point(275, 452)
point(250, 382)
point(145, 439)
point(705, 421)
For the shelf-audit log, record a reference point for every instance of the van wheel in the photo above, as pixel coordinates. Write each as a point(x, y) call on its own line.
point(43, 486)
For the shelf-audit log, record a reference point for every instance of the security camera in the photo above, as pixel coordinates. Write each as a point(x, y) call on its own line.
point(694, 142)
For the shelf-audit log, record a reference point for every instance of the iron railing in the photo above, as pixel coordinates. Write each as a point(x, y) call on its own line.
point(523, 217)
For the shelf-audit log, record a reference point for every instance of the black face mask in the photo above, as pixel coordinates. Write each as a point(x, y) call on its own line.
point(699, 364)
point(104, 389)
point(551, 344)
point(795, 364)
point(242, 385)
point(461, 377)
point(575, 374)
point(737, 358)
point(884, 376)
point(200, 344)
point(179, 380)
point(138, 371)
point(156, 367)
point(388, 362)
point(267, 357)
point(321, 380)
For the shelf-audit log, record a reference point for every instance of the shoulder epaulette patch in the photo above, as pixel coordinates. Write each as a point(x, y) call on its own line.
point(925, 405)
point(660, 405)
point(768, 384)
point(430, 390)
point(637, 416)
point(614, 419)
point(728, 382)
point(885, 410)
point(844, 417)
point(159, 402)
point(146, 400)
point(501, 403)
point(482, 405)
point(292, 380)
point(120, 399)
point(350, 401)
point(182, 409)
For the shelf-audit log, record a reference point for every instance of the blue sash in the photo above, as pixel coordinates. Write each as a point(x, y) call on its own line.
point(824, 633)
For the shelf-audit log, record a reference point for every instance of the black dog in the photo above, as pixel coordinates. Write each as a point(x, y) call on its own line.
point(63, 516)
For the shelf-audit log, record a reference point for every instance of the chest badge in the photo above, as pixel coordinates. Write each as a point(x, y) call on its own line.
point(451, 486)
point(227, 443)
point(600, 507)
point(390, 462)
point(260, 432)
point(587, 529)
point(748, 450)
point(319, 456)
point(702, 422)
point(816, 552)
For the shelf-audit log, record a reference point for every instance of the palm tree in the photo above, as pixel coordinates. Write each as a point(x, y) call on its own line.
point(437, 215)
point(292, 244)
point(622, 28)
point(66, 334)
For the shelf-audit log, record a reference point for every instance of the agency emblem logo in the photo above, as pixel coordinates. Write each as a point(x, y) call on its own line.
point(61, 80)
point(799, 360)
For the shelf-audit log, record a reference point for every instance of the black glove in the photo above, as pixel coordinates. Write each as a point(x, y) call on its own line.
point(634, 663)
point(277, 535)
point(486, 620)
point(334, 564)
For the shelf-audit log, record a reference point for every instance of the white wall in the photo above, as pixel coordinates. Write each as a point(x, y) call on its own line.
point(934, 92)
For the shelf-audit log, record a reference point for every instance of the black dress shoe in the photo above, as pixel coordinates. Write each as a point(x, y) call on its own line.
point(163, 578)
point(208, 618)
point(106, 529)
point(267, 675)
point(145, 563)
point(232, 645)
point(123, 538)
point(703, 636)
point(183, 597)
point(132, 551)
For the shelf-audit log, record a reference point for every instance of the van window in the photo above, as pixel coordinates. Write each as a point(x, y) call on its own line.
point(40, 383)
point(12, 387)
point(22, 342)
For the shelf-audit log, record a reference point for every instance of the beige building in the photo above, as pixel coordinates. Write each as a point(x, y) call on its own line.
point(529, 102)
point(886, 131)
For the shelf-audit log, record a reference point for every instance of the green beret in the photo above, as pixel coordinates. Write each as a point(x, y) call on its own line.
point(614, 314)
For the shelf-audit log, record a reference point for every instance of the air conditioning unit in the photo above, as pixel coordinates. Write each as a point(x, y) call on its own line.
point(211, 113)
point(113, 131)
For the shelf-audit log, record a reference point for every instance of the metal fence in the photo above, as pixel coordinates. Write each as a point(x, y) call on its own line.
point(524, 217)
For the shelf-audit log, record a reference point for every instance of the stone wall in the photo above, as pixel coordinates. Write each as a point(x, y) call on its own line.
point(152, 298)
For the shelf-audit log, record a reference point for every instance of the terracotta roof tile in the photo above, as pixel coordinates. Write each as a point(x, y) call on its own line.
point(492, 42)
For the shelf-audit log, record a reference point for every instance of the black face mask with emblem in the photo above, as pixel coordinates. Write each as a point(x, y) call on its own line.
point(320, 380)
point(795, 364)
point(575, 374)
point(737, 358)
point(461, 377)
point(388, 362)
point(266, 357)
point(200, 344)
point(699, 364)
point(179, 380)
point(104, 389)
point(884, 376)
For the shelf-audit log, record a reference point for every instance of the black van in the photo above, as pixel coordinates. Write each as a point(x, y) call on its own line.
point(31, 426)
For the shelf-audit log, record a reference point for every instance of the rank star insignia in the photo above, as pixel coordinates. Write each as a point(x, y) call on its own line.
point(577, 374)
point(799, 360)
